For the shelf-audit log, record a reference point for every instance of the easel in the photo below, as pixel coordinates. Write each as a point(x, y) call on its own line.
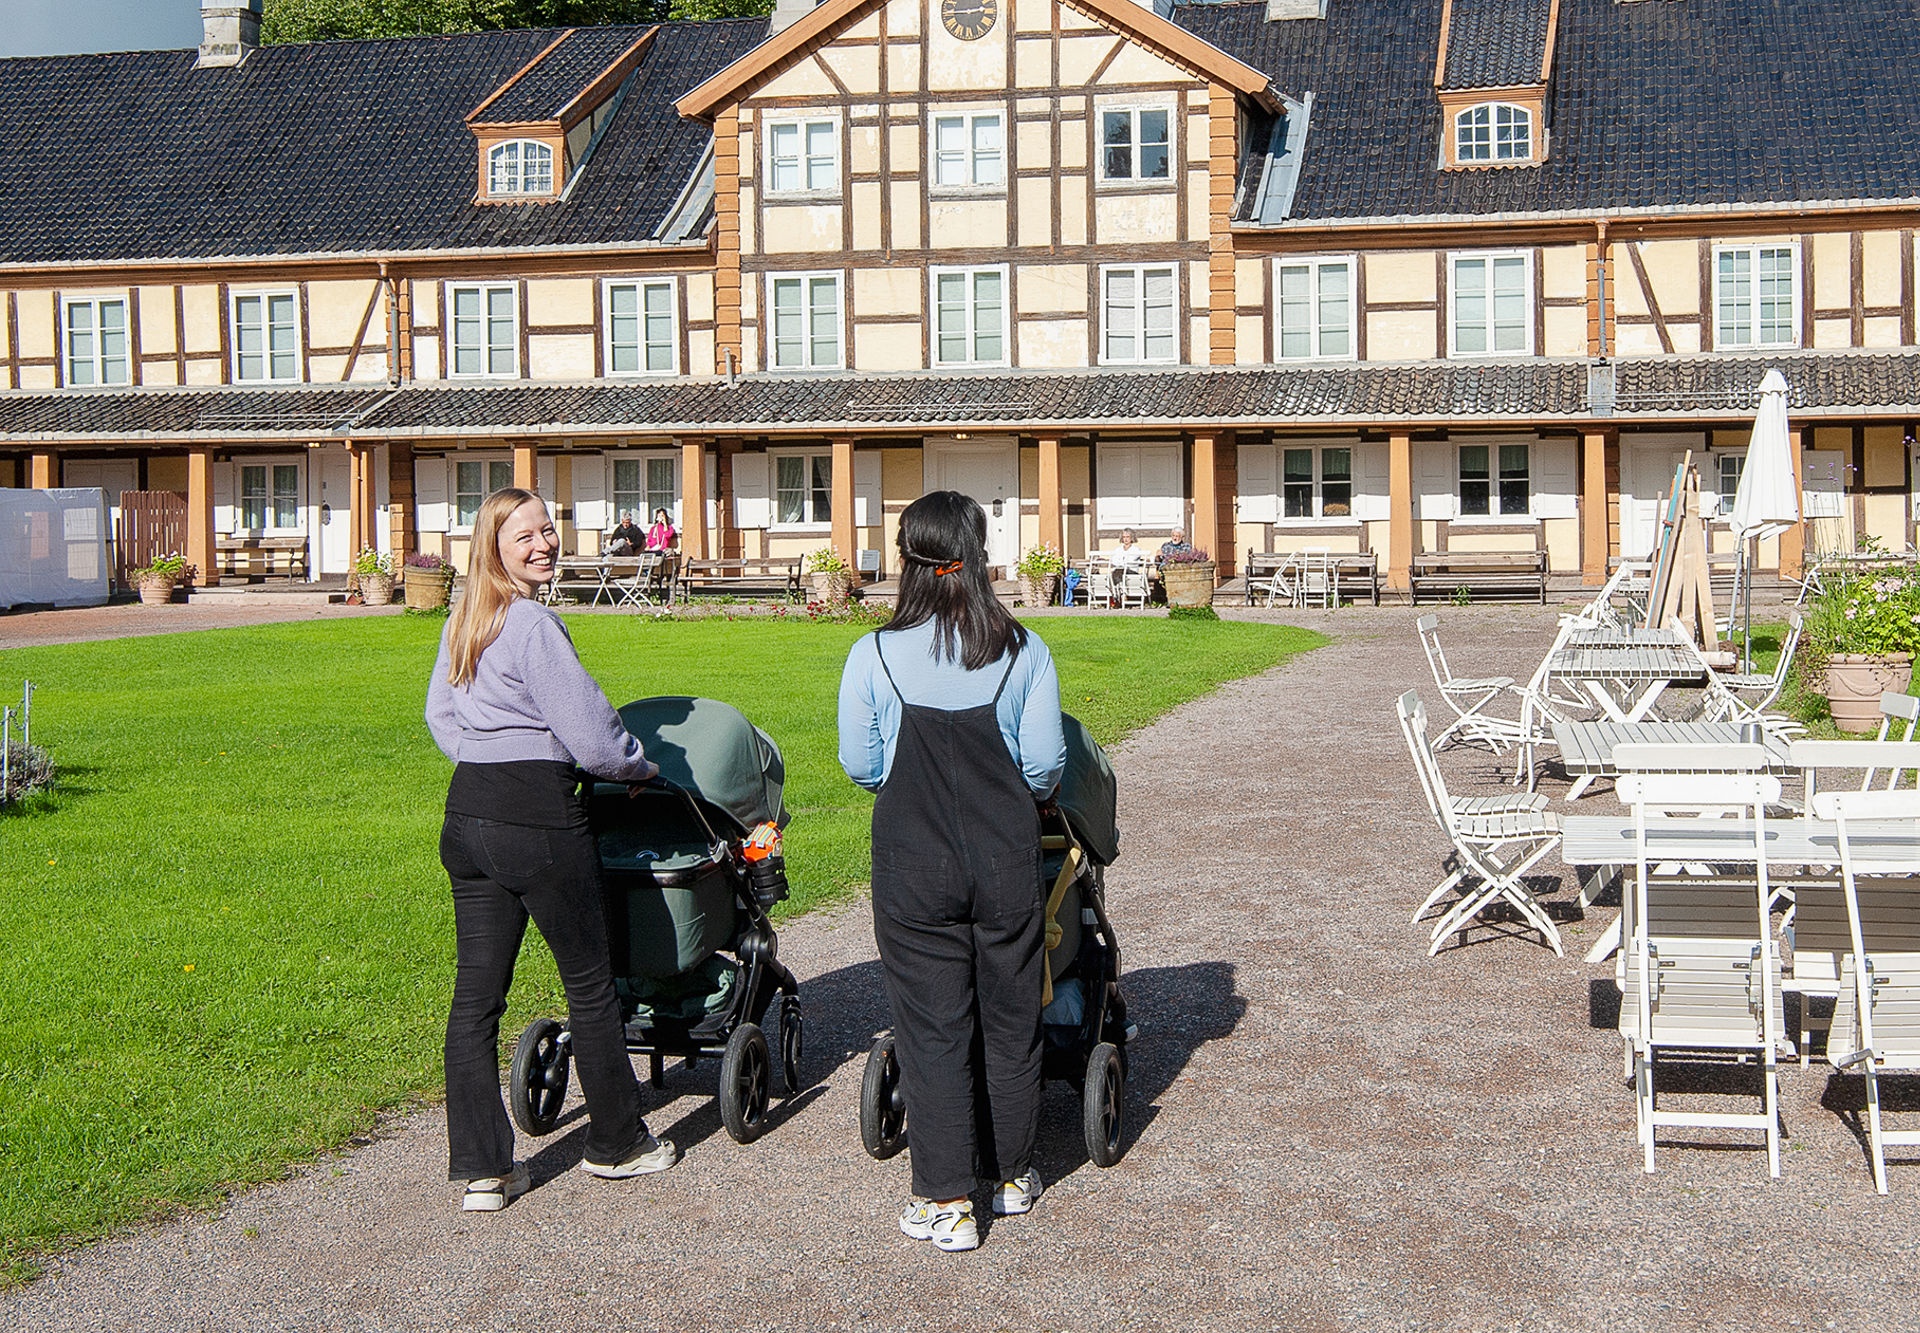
point(1681, 585)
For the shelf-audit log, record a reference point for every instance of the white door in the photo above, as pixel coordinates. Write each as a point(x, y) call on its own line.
point(333, 512)
point(990, 473)
point(110, 475)
point(1650, 479)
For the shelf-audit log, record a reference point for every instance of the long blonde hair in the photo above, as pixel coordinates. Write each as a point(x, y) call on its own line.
point(482, 612)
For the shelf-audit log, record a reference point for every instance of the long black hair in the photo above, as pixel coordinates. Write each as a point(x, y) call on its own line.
point(943, 578)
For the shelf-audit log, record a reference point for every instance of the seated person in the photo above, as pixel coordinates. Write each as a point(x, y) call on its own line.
point(626, 537)
point(661, 535)
point(1176, 544)
point(1129, 552)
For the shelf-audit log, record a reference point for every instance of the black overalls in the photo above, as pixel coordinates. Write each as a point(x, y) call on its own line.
point(957, 911)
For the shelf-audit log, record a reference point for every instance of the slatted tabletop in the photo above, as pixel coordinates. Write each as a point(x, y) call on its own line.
point(1607, 840)
point(1627, 662)
point(1586, 748)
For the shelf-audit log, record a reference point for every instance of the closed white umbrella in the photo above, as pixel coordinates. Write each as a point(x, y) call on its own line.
point(1767, 501)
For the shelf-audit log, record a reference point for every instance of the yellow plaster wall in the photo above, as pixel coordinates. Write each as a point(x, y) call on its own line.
point(37, 321)
point(1833, 271)
point(1124, 216)
point(1073, 210)
point(866, 215)
point(167, 472)
point(1401, 335)
point(1080, 57)
point(800, 228)
point(967, 224)
point(957, 66)
point(1036, 212)
point(1136, 64)
point(333, 314)
point(1048, 289)
point(1673, 271)
point(1033, 63)
point(1563, 271)
point(906, 214)
point(562, 356)
point(887, 291)
point(559, 301)
point(802, 79)
point(1832, 332)
point(1249, 340)
point(903, 66)
point(858, 67)
point(156, 322)
point(1565, 333)
point(1880, 253)
point(202, 304)
point(1052, 342)
point(863, 149)
point(1401, 275)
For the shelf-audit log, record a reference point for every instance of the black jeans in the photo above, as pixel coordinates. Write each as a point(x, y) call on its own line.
point(502, 874)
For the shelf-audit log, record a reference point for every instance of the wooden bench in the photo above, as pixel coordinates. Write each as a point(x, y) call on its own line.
point(1442, 573)
point(1355, 575)
point(766, 577)
point(246, 557)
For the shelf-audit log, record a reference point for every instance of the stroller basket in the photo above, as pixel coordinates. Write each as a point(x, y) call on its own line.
point(670, 887)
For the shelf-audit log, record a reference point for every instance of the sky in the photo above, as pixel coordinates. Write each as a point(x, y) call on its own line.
point(61, 27)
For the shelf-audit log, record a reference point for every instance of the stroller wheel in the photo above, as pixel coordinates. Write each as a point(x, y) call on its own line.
point(746, 1078)
point(883, 1110)
point(538, 1080)
point(1103, 1101)
point(792, 1038)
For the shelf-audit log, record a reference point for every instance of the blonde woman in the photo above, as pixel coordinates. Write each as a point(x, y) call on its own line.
point(520, 718)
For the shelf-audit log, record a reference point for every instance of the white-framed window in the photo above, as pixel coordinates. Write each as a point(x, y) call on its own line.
point(1313, 301)
point(1495, 480)
point(1492, 304)
point(642, 485)
point(1316, 482)
point(1727, 468)
point(803, 321)
point(95, 330)
point(642, 333)
point(269, 497)
point(970, 316)
point(1756, 296)
point(519, 166)
point(1135, 144)
point(486, 330)
point(969, 150)
point(474, 479)
point(802, 489)
point(1139, 313)
point(266, 337)
point(803, 156)
point(1493, 132)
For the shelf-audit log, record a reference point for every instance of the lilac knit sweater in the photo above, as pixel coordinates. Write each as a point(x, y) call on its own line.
point(531, 699)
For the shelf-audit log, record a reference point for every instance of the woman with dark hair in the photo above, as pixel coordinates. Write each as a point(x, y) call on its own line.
point(951, 712)
point(511, 706)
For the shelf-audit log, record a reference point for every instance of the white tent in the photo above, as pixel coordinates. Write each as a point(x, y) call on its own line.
point(1767, 501)
point(54, 547)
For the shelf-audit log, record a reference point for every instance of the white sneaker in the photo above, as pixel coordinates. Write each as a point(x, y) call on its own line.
point(652, 1155)
point(489, 1194)
point(1017, 1195)
point(948, 1225)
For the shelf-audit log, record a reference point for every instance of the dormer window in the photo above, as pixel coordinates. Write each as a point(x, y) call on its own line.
point(1497, 133)
point(519, 167)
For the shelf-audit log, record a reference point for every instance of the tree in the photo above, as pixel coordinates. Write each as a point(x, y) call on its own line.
point(325, 20)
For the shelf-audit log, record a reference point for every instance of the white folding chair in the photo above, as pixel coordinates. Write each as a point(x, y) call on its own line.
point(1467, 696)
point(1702, 971)
point(1284, 586)
point(1496, 841)
point(1744, 698)
point(1130, 583)
point(1317, 578)
point(1897, 712)
point(1876, 1020)
point(1099, 580)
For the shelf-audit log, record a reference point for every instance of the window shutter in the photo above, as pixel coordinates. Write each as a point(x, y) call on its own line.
point(866, 489)
point(1162, 497)
point(1259, 496)
point(1556, 480)
point(544, 480)
point(223, 515)
point(713, 493)
point(1372, 491)
point(1823, 475)
point(752, 505)
point(590, 493)
point(1435, 471)
point(1119, 486)
point(430, 493)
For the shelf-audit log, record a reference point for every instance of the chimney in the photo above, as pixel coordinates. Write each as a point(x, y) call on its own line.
point(228, 30)
point(786, 13)
point(1296, 9)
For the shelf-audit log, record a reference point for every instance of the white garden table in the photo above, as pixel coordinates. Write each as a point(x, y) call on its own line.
point(1625, 673)
point(1586, 748)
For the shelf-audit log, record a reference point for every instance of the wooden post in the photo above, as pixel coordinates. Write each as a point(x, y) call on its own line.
point(1593, 508)
point(526, 466)
point(42, 471)
point(200, 549)
point(845, 544)
point(1400, 530)
point(1052, 516)
point(693, 499)
point(1793, 542)
point(1206, 498)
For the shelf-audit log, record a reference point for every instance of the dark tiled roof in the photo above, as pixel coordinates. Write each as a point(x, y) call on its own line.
point(323, 148)
point(1700, 103)
point(1666, 389)
point(560, 76)
point(1495, 43)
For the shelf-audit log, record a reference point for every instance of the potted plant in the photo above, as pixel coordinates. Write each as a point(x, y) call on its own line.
point(156, 580)
point(832, 577)
point(1188, 575)
point(1863, 632)
point(429, 580)
point(375, 572)
point(1039, 571)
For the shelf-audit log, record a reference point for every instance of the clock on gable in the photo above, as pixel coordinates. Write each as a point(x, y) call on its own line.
point(969, 20)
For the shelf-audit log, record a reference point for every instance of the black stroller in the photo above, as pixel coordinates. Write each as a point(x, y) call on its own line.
point(1085, 1020)
point(683, 889)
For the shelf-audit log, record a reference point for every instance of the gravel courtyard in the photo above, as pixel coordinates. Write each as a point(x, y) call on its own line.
point(1329, 1129)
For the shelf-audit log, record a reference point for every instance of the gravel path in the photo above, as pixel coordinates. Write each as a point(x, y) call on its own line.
point(1331, 1130)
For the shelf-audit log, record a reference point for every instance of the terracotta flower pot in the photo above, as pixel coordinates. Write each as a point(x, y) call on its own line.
point(376, 589)
point(427, 588)
point(1189, 584)
point(1855, 682)
point(155, 589)
point(832, 588)
point(1037, 589)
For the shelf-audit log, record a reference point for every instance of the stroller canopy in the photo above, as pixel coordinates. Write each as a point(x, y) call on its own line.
point(1087, 794)
point(711, 749)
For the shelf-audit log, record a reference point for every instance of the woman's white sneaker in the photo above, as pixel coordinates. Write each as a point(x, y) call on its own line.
point(652, 1155)
point(1017, 1195)
point(948, 1225)
point(489, 1194)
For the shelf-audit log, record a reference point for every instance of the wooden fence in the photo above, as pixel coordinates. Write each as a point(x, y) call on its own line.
point(152, 524)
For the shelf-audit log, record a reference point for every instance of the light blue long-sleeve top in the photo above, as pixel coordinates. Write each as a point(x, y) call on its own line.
point(1029, 709)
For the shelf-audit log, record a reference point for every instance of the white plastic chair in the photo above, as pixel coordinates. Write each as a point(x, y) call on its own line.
point(1495, 842)
point(1876, 1021)
point(1467, 696)
point(1701, 968)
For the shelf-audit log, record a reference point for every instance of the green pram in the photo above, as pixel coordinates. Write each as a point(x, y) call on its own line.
point(682, 894)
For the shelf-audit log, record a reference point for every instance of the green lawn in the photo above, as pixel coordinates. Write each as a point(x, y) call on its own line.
point(1796, 699)
point(229, 941)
